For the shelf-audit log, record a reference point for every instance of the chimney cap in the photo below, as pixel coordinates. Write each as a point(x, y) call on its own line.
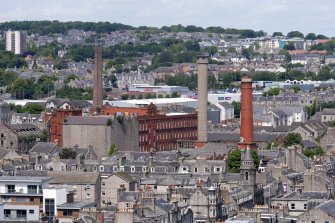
point(202, 59)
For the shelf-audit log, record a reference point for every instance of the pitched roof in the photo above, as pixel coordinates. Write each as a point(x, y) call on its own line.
point(247, 156)
point(43, 147)
point(23, 127)
point(328, 207)
point(309, 144)
point(75, 178)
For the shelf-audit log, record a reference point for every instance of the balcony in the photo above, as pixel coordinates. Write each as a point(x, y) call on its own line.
point(32, 191)
point(17, 218)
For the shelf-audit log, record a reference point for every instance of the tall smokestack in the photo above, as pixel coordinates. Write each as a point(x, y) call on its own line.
point(97, 81)
point(247, 124)
point(202, 98)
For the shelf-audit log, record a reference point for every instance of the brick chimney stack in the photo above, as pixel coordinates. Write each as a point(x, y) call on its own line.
point(247, 125)
point(202, 99)
point(97, 81)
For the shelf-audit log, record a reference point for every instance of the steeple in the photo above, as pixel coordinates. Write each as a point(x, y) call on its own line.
point(248, 171)
point(247, 160)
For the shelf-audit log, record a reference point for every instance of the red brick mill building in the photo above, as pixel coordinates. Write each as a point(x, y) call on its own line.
point(155, 131)
point(162, 131)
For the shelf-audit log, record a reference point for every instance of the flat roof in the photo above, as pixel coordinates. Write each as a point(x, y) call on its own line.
point(149, 101)
point(77, 205)
point(23, 179)
point(24, 102)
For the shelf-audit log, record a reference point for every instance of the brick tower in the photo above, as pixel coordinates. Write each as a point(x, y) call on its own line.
point(247, 125)
point(97, 81)
point(202, 100)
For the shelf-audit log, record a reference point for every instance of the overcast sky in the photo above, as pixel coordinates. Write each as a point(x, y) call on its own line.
point(268, 15)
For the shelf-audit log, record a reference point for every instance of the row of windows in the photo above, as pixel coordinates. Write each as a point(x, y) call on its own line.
point(169, 124)
point(176, 124)
point(216, 169)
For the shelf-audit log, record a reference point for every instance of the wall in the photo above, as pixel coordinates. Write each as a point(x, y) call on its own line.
point(199, 203)
point(5, 115)
point(8, 139)
point(124, 135)
point(56, 123)
point(30, 217)
point(112, 184)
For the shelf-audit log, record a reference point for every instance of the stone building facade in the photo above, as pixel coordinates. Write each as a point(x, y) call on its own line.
point(101, 132)
point(19, 137)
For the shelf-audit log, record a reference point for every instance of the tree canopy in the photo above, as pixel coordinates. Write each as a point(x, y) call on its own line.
point(272, 92)
point(293, 34)
point(234, 160)
point(292, 138)
point(67, 153)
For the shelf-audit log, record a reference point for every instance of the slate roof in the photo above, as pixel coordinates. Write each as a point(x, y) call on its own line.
point(317, 195)
point(226, 105)
point(309, 144)
point(43, 147)
point(328, 111)
point(75, 178)
point(77, 205)
point(125, 176)
point(235, 137)
point(77, 103)
point(328, 207)
point(278, 112)
point(247, 156)
point(232, 177)
point(23, 128)
point(163, 205)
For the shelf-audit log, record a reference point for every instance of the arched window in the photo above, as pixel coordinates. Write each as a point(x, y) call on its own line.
point(247, 176)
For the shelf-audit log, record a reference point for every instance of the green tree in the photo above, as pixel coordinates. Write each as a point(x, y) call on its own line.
point(237, 108)
point(69, 78)
point(234, 160)
point(33, 108)
point(272, 92)
point(320, 36)
point(289, 46)
point(7, 77)
point(311, 110)
point(293, 34)
point(310, 36)
point(112, 150)
point(310, 153)
point(125, 97)
point(295, 89)
point(67, 153)
point(292, 138)
point(277, 34)
point(18, 87)
point(175, 95)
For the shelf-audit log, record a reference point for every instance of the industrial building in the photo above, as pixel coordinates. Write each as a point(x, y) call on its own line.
point(158, 89)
